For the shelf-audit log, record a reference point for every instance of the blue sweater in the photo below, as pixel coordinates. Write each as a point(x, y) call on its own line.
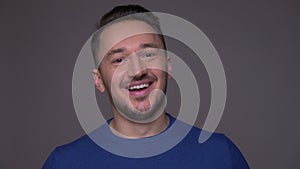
point(218, 152)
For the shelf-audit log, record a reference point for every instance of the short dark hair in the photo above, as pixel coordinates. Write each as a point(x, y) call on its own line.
point(125, 12)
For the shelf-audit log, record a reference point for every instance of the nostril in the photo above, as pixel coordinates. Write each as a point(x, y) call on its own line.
point(139, 75)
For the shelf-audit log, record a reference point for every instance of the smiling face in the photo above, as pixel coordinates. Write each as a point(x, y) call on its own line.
point(133, 70)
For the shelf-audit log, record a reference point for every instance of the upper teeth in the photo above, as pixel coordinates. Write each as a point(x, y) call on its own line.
point(138, 86)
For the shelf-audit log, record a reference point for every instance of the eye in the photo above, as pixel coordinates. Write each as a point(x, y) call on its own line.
point(119, 60)
point(149, 54)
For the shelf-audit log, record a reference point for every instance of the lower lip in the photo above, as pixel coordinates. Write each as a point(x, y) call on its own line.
point(140, 93)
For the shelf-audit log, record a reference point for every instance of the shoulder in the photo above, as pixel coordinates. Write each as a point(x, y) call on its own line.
point(217, 146)
point(73, 153)
point(81, 146)
point(209, 139)
point(197, 137)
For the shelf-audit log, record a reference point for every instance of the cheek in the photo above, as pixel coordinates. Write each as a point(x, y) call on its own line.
point(158, 64)
point(161, 75)
point(106, 77)
point(160, 68)
point(117, 76)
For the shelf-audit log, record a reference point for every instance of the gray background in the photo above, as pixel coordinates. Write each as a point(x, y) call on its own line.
point(258, 43)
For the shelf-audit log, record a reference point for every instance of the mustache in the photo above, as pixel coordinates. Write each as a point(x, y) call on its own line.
point(142, 78)
point(136, 79)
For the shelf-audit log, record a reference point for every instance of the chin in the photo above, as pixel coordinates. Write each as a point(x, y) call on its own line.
point(143, 114)
point(141, 111)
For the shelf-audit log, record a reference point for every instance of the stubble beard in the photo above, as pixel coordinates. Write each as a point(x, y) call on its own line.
point(144, 112)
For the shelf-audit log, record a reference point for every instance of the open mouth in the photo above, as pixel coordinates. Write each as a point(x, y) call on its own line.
point(139, 89)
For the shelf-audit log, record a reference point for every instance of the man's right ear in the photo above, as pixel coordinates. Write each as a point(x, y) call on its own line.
point(98, 81)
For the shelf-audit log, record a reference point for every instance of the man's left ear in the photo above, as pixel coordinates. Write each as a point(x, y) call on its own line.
point(169, 67)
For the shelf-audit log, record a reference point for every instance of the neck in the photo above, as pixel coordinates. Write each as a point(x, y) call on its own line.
point(128, 129)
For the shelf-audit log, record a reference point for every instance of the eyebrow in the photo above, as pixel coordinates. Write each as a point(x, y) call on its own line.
point(114, 51)
point(141, 46)
point(148, 45)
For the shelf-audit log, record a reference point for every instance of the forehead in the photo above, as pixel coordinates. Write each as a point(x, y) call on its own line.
point(120, 32)
point(138, 42)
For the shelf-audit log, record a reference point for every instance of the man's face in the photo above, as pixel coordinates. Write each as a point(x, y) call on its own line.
point(134, 71)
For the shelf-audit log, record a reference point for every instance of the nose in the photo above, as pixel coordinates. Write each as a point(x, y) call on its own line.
point(136, 67)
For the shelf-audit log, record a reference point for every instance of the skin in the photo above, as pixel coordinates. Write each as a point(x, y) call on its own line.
point(133, 55)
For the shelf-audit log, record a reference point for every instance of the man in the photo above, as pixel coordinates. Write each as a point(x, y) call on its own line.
point(133, 67)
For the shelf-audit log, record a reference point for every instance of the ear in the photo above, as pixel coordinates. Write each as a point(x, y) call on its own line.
point(98, 81)
point(169, 66)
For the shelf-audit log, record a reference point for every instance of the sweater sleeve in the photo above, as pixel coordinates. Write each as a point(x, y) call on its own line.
point(237, 159)
point(50, 162)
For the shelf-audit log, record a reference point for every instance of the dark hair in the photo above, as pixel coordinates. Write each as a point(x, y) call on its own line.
point(125, 12)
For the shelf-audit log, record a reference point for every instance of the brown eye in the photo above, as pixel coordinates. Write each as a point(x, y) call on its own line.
point(149, 54)
point(119, 60)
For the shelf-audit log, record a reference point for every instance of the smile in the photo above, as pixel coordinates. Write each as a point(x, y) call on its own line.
point(137, 87)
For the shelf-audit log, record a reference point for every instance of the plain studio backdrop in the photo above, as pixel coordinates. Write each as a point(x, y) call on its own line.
point(258, 43)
